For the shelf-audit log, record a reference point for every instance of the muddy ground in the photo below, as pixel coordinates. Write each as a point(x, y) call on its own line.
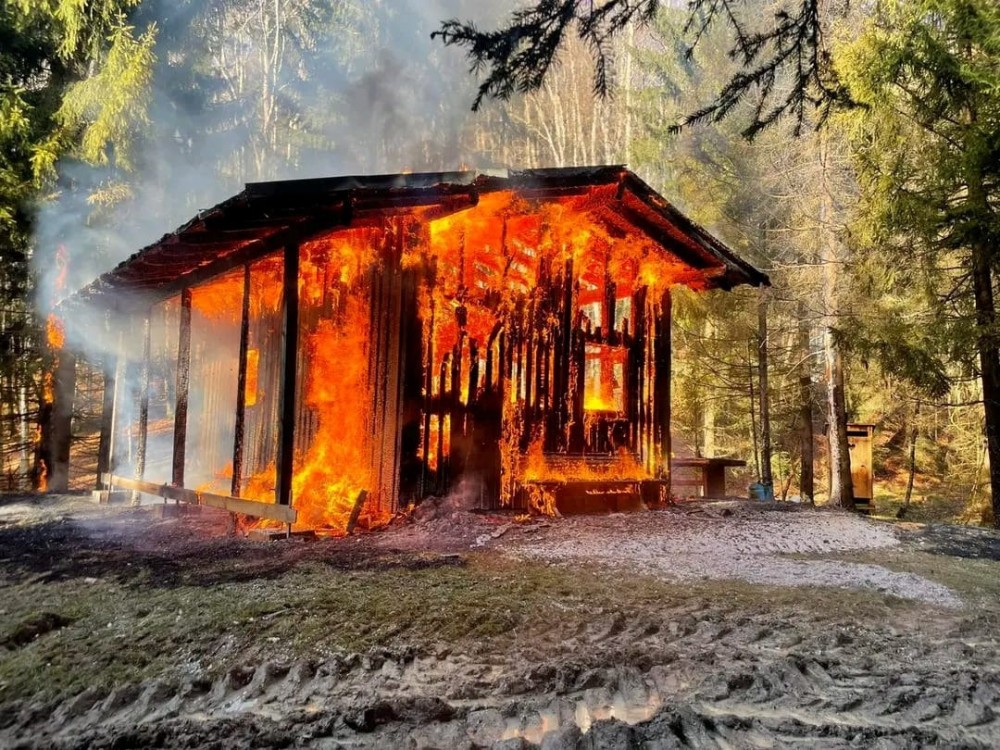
point(706, 625)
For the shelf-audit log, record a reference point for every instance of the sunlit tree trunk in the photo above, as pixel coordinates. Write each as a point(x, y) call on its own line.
point(708, 406)
point(912, 463)
point(766, 476)
point(841, 488)
point(807, 488)
point(989, 362)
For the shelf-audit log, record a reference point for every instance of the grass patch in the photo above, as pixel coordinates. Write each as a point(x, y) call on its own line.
point(976, 581)
point(34, 625)
point(118, 633)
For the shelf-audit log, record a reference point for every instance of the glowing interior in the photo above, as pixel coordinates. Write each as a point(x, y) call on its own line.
point(511, 341)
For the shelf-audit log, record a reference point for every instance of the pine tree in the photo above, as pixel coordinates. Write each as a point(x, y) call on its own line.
point(926, 74)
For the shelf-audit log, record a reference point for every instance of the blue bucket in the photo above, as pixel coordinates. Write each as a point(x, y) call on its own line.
point(761, 492)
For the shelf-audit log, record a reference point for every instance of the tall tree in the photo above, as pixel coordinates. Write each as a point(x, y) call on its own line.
point(763, 376)
point(927, 73)
point(46, 48)
point(784, 67)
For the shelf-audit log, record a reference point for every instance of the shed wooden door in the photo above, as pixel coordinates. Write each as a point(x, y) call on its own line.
point(859, 441)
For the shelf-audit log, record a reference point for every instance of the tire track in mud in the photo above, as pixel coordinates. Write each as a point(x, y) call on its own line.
point(681, 679)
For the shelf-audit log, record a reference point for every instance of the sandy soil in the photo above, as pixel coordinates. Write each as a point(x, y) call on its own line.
point(735, 540)
point(682, 628)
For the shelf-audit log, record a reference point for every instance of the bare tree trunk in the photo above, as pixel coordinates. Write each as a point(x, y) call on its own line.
point(807, 489)
point(787, 484)
point(708, 407)
point(24, 427)
point(753, 412)
point(766, 475)
point(987, 342)
point(989, 363)
point(912, 464)
point(841, 488)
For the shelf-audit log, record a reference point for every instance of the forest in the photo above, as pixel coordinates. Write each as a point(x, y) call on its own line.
point(851, 151)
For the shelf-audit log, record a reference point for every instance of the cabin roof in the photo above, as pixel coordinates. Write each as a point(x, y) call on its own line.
point(268, 215)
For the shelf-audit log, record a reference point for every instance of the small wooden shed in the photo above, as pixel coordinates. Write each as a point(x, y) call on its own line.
point(305, 343)
point(860, 438)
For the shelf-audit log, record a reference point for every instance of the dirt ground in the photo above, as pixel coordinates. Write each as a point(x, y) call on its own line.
point(723, 625)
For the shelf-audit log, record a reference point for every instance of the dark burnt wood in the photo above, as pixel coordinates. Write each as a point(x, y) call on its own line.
point(241, 387)
point(661, 386)
point(61, 421)
point(143, 421)
point(183, 383)
point(411, 468)
point(107, 418)
point(442, 467)
point(290, 353)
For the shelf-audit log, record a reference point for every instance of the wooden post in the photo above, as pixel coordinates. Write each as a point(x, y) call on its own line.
point(394, 378)
point(577, 434)
point(241, 387)
point(428, 401)
point(359, 504)
point(107, 419)
point(565, 356)
point(610, 299)
point(379, 279)
point(140, 450)
point(637, 371)
point(441, 473)
point(456, 454)
point(60, 435)
point(290, 353)
point(488, 377)
point(183, 382)
point(410, 469)
point(661, 387)
point(529, 368)
point(121, 370)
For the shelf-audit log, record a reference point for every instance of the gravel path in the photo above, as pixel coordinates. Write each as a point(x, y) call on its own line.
point(733, 540)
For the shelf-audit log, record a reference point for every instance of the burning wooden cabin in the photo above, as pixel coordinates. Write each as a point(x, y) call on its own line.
point(308, 343)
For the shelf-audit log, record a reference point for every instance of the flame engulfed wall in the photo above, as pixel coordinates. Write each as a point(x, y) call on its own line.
point(516, 342)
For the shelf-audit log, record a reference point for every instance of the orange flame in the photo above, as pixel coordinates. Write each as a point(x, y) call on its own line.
point(541, 467)
point(55, 333)
point(479, 267)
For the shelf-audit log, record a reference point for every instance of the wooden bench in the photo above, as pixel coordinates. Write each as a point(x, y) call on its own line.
point(711, 474)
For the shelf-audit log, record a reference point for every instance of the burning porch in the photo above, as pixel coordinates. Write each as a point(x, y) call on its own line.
point(323, 352)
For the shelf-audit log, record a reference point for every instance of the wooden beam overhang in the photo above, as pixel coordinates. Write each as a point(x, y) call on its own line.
point(267, 216)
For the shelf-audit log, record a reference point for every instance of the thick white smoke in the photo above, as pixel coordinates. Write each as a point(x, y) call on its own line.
point(251, 90)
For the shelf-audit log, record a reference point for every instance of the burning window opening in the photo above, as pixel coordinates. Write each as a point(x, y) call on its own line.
point(512, 334)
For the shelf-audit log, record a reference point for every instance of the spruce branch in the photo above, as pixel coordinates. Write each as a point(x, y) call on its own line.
point(785, 68)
